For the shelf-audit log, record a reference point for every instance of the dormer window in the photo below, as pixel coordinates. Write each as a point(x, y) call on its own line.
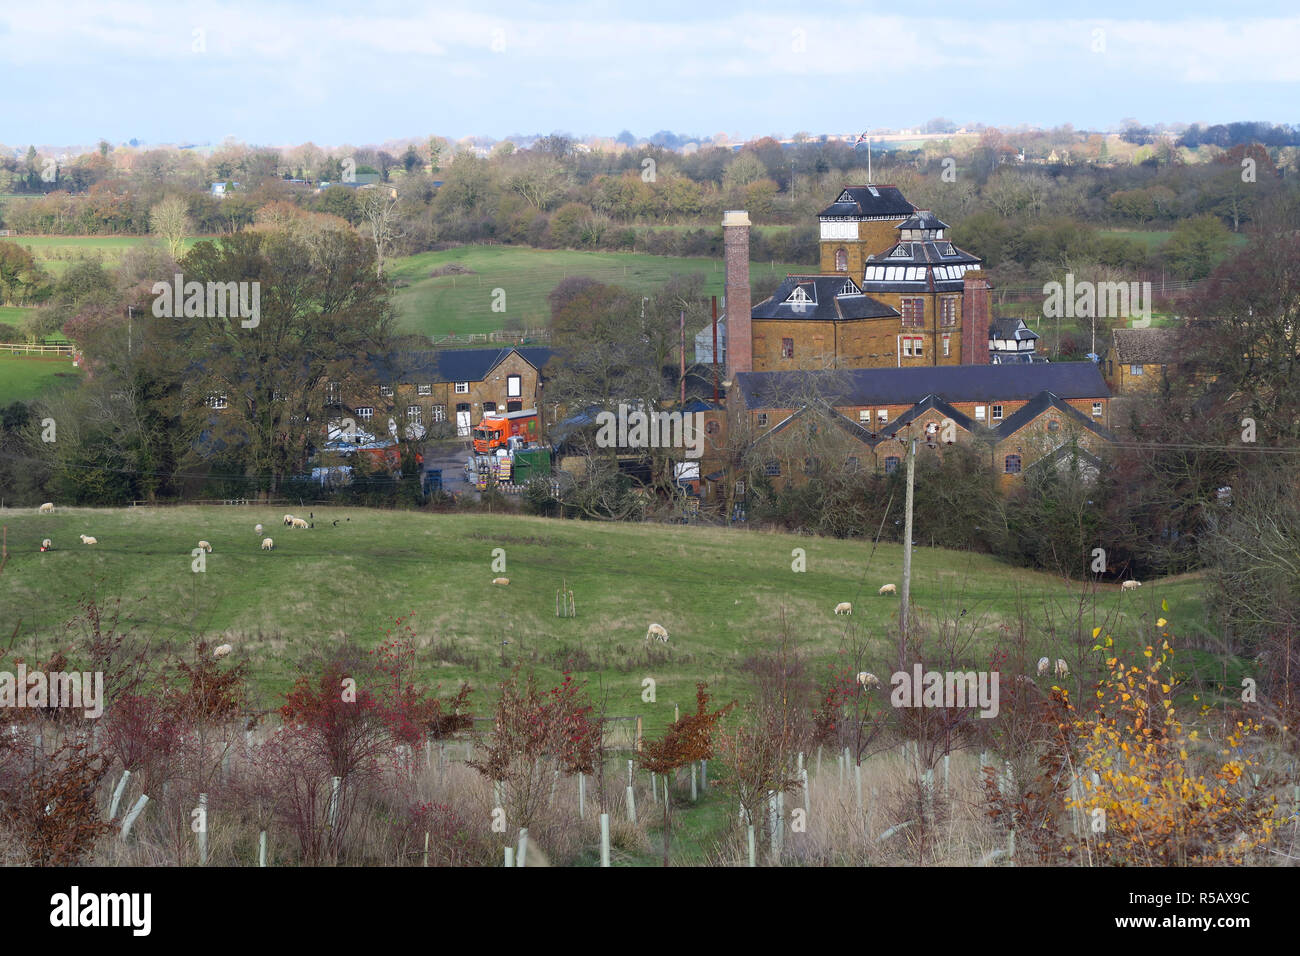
point(849, 289)
point(800, 297)
point(904, 251)
point(946, 249)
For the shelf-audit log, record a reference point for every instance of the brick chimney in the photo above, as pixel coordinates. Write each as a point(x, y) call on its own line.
point(975, 313)
point(740, 337)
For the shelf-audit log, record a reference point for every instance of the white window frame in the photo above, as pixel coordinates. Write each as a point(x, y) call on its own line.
point(386, 391)
point(1096, 409)
point(514, 386)
point(762, 419)
point(947, 345)
point(438, 412)
point(1135, 369)
point(882, 415)
point(980, 413)
point(365, 413)
point(415, 413)
point(864, 416)
point(218, 400)
point(996, 413)
point(462, 388)
point(424, 390)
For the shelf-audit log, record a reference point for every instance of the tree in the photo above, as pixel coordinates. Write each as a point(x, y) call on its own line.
point(170, 219)
point(1196, 245)
point(381, 221)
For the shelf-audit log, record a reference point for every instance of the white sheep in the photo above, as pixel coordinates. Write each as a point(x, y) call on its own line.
point(87, 539)
point(47, 508)
point(222, 651)
point(1062, 670)
point(501, 581)
point(844, 607)
point(205, 546)
point(658, 632)
point(299, 523)
point(1130, 585)
point(888, 589)
point(867, 679)
point(288, 520)
point(267, 544)
point(1043, 664)
point(46, 545)
point(257, 529)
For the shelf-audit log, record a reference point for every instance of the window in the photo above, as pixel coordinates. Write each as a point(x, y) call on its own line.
point(864, 416)
point(772, 469)
point(1135, 369)
point(979, 413)
point(947, 344)
point(931, 429)
point(849, 288)
point(216, 401)
point(852, 464)
point(277, 395)
point(1013, 464)
point(462, 407)
point(489, 408)
point(514, 386)
point(424, 389)
point(414, 414)
point(841, 261)
point(787, 348)
point(1053, 425)
point(903, 251)
point(883, 415)
point(332, 393)
point(948, 311)
point(997, 413)
point(514, 406)
point(365, 413)
point(762, 419)
point(462, 388)
point(800, 299)
point(1096, 409)
point(712, 428)
point(891, 464)
point(386, 391)
point(439, 412)
point(912, 345)
point(913, 313)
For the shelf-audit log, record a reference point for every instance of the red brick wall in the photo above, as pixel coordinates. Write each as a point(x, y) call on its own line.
point(740, 343)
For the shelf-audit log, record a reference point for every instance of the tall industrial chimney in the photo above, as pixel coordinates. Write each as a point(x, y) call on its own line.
point(740, 338)
point(975, 318)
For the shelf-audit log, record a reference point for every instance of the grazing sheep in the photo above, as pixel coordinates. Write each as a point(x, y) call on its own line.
point(844, 607)
point(205, 546)
point(1130, 585)
point(866, 679)
point(288, 520)
point(658, 632)
point(502, 581)
point(87, 539)
point(47, 508)
point(299, 523)
point(257, 529)
point(46, 545)
point(222, 651)
point(1062, 670)
point(267, 544)
point(1043, 664)
point(888, 589)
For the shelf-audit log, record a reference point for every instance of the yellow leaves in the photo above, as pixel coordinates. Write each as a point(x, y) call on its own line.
point(1095, 632)
point(1161, 622)
point(1164, 605)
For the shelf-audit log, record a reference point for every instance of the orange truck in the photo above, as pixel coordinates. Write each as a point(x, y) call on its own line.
point(495, 431)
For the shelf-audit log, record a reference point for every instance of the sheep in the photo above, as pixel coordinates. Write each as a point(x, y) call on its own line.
point(267, 544)
point(299, 523)
point(1062, 670)
point(257, 529)
point(46, 545)
point(1130, 585)
point(658, 632)
point(866, 679)
point(1043, 664)
point(87, 539)
point(222, 651)
point(844, 607)
point(501, 581)
point(288, 520)
point(47, 508)
point(888, 589)
point(205, 546)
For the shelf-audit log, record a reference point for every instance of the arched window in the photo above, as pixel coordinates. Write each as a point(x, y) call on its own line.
point(1013, 464)
point(841, 260)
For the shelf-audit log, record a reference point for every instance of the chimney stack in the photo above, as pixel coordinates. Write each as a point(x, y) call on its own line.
point(975, 313)
point(740, 338)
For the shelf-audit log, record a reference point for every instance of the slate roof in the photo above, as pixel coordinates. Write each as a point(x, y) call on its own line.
point(941, 265)
point(924, 219)
point(1145, 346)
point(924, 405)
point(830, 300)
point(1041, 403)
point(869, 202)
point(1011, 329)
point(451, 365)
point(907, 386)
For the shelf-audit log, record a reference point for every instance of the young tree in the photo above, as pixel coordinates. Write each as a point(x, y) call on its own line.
point(170, 219)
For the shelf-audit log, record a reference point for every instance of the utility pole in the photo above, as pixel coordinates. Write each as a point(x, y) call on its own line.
point(683, 355)
point(907, 551)
point(130, 313)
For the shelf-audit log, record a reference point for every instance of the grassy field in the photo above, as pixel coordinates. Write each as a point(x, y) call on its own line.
point(463, 303)
point(720, 593)
point(22, 379)
point(56, 253)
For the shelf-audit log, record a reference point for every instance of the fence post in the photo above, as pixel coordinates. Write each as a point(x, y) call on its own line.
point(604, 839)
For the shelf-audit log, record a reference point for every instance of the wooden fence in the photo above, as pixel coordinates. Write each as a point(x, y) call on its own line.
point(42, 350)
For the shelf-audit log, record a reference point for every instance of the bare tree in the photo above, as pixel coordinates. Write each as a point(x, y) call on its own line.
point(170, 219)
point(379, 214)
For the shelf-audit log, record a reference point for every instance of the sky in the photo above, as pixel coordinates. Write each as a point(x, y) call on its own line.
point(335, 73)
